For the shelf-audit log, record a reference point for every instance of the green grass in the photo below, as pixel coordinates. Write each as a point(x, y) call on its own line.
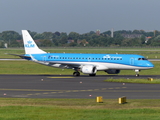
point(28, 67)
point(77, 109)
point(127, 80)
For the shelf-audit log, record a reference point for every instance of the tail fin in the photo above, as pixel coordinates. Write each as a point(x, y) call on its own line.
point(29, 44)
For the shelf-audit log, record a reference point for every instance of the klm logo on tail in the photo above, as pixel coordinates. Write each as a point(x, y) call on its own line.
point(29, 45)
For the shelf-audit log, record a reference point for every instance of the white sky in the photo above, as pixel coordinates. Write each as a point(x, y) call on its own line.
point(79, 16)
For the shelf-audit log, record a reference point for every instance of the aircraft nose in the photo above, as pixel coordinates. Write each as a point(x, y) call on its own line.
point(149, 64)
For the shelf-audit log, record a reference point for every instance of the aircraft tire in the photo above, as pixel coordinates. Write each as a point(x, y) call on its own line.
point(76, 74)
point(92, 74)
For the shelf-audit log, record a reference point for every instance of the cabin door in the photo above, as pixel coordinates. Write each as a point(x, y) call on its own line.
point(44, 58)
point(131, 61)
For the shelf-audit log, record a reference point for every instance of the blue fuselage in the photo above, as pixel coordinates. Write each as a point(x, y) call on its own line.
point(102, 61)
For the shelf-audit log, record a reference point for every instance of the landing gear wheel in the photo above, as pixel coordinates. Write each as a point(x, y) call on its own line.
point(76, 74)
point(137, 73)
point(92, 74)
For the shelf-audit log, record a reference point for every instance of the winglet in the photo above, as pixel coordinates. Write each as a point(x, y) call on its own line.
point(29, 45)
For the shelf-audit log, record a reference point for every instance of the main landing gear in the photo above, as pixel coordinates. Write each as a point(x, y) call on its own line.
point(137, 73)
point(92, 74)
point(76, 74)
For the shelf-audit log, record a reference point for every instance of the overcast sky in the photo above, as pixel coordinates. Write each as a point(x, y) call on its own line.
point(79, 16)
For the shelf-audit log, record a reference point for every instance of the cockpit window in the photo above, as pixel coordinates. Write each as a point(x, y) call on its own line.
point(142, 59)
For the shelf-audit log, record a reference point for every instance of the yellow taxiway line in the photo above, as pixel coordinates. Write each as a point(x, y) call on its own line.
point(60, 77)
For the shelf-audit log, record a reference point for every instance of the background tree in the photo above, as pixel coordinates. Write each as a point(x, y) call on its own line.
point(46, 43)
point(121, 38)
point(10, 37)
point(73, 36)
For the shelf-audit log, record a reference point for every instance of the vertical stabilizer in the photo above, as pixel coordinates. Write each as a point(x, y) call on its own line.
point(29, 45)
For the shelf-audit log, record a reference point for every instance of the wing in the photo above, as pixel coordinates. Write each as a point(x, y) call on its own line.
point(70, 64)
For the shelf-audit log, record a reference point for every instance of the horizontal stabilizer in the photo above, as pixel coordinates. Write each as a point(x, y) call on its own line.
point(21, 56)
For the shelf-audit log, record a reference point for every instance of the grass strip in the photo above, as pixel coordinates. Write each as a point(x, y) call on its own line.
point(77, 109)
point(128, 80)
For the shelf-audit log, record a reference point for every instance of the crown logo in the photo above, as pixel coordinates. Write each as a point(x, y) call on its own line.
point(29, 42)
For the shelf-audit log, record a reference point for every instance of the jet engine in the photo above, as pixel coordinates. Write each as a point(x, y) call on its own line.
point(89, 69)
point(112, 71)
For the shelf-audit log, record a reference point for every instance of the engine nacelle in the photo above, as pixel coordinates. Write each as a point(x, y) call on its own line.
point(89, 69)
point(112, 71)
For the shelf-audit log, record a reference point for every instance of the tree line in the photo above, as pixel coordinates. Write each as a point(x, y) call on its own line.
point(124, 38)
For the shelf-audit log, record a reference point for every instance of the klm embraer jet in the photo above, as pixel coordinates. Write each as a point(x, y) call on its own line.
point(85, 63)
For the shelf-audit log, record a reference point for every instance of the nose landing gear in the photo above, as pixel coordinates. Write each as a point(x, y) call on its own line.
point(137, 73)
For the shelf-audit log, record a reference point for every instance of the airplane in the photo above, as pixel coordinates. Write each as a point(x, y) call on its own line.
point(85, 63)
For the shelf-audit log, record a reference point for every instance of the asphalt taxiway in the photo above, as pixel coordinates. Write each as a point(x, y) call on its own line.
point(52, 86)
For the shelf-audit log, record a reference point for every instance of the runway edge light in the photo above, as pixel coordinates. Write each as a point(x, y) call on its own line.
point(99, 99)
